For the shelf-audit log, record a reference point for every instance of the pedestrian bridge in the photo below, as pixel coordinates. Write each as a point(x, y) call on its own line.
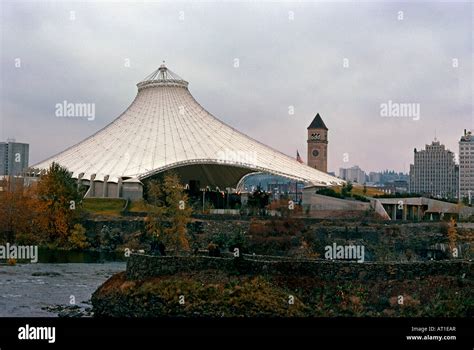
point(419, 208)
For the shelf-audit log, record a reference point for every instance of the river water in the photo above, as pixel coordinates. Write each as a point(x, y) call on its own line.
point(70, 279)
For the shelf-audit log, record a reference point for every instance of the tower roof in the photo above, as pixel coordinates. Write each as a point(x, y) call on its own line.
point(166, 128)
point(317, 123)
point(162, 77)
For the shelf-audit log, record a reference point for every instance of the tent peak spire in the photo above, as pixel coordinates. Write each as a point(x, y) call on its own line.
point(162, 76)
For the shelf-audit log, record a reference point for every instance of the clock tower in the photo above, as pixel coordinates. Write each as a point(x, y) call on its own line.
point(318, 144)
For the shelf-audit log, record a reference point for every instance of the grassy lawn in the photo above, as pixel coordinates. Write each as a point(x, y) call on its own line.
point(104, 206)
point(139, 207)
point(359, 189)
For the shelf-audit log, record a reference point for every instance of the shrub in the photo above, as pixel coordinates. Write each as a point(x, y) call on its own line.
point(77, 239)
point(214, 250)
point(274, 237)
point(329, 192)
point(230, 240)
point(443, 228)
point(110, 239)
point(360, 198)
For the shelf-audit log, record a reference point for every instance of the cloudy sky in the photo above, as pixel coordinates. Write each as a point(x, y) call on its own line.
point(343, 60)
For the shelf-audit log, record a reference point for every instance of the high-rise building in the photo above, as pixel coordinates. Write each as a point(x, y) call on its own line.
point(375, 177)
point(318, 144)
point(434, 172)
point(354, 174)
point(466, 166)
point(14, 157)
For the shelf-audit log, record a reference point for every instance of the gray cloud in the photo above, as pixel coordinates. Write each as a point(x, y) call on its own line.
point(282, 63)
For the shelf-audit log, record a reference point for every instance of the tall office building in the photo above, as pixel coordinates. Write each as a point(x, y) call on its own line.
point(466, 166)
point(14, 157)
point(354, 174)
point(434, 172)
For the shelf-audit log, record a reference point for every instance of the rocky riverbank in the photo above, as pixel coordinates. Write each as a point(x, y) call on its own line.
point(204, 291)
point(213, 293)
point(67, 311)
point(421, 282)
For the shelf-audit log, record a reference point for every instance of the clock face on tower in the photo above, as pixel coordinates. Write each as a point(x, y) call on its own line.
point(315, 153)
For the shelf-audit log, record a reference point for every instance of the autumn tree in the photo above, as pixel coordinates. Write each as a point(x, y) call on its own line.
point(452, 235)
point(12, 206)
point(59, 197)
point(43, 212)
point(78, 239)
point(170, 212)
point(20, 213)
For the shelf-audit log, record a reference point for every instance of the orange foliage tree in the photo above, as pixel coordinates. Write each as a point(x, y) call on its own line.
point(59, 199)
point(168, 218)
point(44, 212)
point(286, 207)
point(21, 218)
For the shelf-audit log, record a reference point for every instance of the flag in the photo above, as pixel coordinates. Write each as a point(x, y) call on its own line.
point(298, 158)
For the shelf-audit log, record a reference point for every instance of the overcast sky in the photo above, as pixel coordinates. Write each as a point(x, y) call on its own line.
point(342, 60)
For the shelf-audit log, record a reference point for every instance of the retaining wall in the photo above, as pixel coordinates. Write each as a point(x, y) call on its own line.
point(143, 266)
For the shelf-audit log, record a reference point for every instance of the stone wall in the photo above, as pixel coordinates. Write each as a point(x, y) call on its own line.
point(321, 202)
point(94, 227)
point(144, 266)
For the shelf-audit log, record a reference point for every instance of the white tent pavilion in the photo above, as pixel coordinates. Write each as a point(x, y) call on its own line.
point(166, 128)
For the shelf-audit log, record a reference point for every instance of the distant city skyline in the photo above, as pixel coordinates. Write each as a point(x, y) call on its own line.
point(385, 77)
